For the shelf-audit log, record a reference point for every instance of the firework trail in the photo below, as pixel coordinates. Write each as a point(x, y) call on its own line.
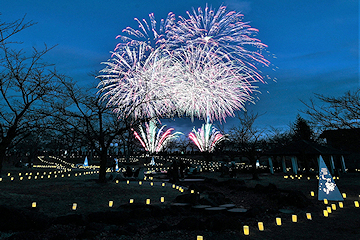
point(206, 137)
point(138, 84)
point(152, 140)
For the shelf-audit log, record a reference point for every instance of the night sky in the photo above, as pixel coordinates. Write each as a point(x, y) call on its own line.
point(315, 44)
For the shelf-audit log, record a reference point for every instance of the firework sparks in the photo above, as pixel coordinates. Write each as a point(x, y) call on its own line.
point(154, 140)
point(206, 137)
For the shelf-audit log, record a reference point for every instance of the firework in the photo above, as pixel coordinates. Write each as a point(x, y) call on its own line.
point(138, 84)
point(154, 140)
point(206, 137)
point(202, 66)
point(221, 29)
point(147, 34)
point(211, 86)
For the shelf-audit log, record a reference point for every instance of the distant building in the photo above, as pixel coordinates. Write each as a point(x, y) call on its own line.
point(347, 140)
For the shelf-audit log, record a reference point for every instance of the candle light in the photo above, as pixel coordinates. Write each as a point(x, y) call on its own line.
point(326, 214)
point(356, 204)
point(278, 221)
point(127, 181)
point(341, 204)
point(261, 226)
point(294, 218)
point(308, 216)
point(312, 193)
point(246, 230)
point(344, 195)
point(163, 184)
point(111, 203)
point(148, 201)
point(131, 200)
point(325, 201)
point(33, 205)
point(328, 209)
point(74, 206)
point(162, 199)
point(333, 206)
point(199, 237)
point(140, 182)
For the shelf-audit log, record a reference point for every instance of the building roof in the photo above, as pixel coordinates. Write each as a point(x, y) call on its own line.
point(303, 147)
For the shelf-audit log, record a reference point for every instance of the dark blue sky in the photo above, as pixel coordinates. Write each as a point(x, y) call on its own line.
point(316, 43)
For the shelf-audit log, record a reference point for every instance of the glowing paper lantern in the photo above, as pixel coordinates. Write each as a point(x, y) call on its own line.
point(261, 226)
point(148, 201)
point(308, 216)
point(74, 206)
point(199, 237)
point(163, 184)
point(131, 200)
point(127, 181)
point(326, 214)
point(327, 187)
point(192, 191)
point(111, 203)
point(328, 209)
point(356, 204)
point(162, 199)
point(278, 221)
point(325, 201)
point(333, 206)
point(344, 195)
point(312, 193)
point(246, 230)
point(294, 218)
point(140, 182)
point(341, 204)
point(33, 205)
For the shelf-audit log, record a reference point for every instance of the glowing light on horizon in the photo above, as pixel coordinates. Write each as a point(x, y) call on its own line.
point(154, 140)
point(206, 137)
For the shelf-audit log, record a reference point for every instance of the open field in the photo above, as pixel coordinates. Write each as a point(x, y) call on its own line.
point(53, 217)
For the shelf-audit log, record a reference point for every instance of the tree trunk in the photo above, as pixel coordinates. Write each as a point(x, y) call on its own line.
point(103, 163)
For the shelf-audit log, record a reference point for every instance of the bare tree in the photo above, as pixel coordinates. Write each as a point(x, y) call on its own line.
point(25, 81)
point(335, 112)
point(80, 110)
point(247, 139)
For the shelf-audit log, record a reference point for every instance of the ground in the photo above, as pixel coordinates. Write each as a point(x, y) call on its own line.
point(270, 197)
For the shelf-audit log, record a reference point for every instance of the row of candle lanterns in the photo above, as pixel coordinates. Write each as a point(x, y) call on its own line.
point(110, 204)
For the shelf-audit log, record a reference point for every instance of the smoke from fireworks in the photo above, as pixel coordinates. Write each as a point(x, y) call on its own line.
point(206, 137)
point(152, 140)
